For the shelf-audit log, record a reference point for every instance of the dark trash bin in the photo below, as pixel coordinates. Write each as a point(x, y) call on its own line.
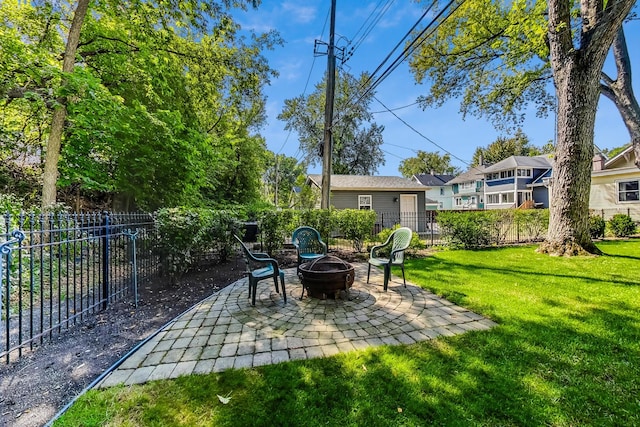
point(250, 232)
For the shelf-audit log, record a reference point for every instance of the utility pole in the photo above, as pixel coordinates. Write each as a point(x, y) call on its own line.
point(327, 147)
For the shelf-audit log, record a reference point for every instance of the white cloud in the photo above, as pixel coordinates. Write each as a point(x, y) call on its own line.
point(301, 14)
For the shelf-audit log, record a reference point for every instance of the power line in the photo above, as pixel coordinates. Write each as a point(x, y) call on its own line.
point(306, 84)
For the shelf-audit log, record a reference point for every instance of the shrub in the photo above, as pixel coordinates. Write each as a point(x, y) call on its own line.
point(182, 233)
point(534, 223)
point(275, 226)
point(322, 220)
point(622, 225)
point(468, 230)
point(355, 225)
point(499, 223)
point(597, 225)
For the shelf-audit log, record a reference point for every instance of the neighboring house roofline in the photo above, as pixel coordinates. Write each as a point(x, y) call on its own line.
point(476, 173)
point(618, 156)
point(616, 171)
point(512, 162)
point(368, 183)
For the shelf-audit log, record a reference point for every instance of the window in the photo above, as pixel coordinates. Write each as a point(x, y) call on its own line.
point(524, 172)
point(499, 198)
point(500, 175)
point(467, 185)
point(458, 201)
point(364, 202)
point(629, 191)
point(507, 198)
point(493, 199)
point(440, 205)
point(441, 191)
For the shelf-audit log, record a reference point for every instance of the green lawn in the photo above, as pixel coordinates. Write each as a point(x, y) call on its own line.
point(566, 353)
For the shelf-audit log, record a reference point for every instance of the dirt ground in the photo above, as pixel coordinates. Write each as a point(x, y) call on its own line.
point(37, 386)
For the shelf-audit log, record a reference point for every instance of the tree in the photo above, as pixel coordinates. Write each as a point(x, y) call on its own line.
point(50, 173)
point(280, 178)
point(356, 138)
point(160, 102)
point(577, 65)
point(427, 162)
point(499, 59)
point(503, 148)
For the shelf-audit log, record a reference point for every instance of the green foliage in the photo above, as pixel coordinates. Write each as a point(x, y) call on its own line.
point(493, 56)
point(597, 226)
point(275, 226)
point(162, 102)
point(468, 230)
point(282, 174)
point(503, 148)
point(355, 225)
point(185, 233)
point(533, 223)
point(425, 163)
point(224, 225)
point(323, 220)
point(621, 225)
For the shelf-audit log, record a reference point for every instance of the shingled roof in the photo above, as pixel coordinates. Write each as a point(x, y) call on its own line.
point(476, 173)
point(364, 182)
point(433, 179)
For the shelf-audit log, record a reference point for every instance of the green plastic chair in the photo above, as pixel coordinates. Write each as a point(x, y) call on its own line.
point(397, 243)
point(260, 266)
point(308, 243)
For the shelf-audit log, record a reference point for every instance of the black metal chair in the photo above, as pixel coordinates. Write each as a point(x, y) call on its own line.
point(308, 243)
point(260, 266)
point(397, 243)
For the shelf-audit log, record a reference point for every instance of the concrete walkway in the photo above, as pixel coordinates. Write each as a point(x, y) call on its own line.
point(225, 331)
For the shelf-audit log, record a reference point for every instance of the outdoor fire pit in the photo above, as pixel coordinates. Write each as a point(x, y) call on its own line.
point(325, 277)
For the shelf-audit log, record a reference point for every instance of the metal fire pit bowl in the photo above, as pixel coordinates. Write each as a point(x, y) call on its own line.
point(325, 277)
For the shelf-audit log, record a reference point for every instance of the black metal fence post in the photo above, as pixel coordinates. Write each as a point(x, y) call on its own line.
point(105, 260)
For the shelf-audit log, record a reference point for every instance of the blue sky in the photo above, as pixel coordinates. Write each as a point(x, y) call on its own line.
point(300, 23)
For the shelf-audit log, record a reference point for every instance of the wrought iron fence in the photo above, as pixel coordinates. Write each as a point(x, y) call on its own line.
point(65, 267)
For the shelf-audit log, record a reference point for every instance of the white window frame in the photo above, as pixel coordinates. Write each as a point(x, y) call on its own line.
point(492, 197)
point(493, 176)
point(507, 174)
point(637, 191)
point(458, 201)
point(362, 202)
point(467, 185)
point(504, 198)
point(527, 173)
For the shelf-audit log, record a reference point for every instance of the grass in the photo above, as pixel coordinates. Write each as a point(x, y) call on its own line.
point(566, 353)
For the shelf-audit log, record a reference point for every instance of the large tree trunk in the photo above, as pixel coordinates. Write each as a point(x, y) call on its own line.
point(52, 155)
point(578, 93)
point(576, 74)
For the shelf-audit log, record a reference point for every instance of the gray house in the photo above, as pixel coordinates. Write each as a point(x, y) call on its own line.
point(396, 200)
point(517, 180)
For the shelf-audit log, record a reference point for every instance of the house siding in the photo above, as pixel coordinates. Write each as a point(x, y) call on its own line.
point(604, 193)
